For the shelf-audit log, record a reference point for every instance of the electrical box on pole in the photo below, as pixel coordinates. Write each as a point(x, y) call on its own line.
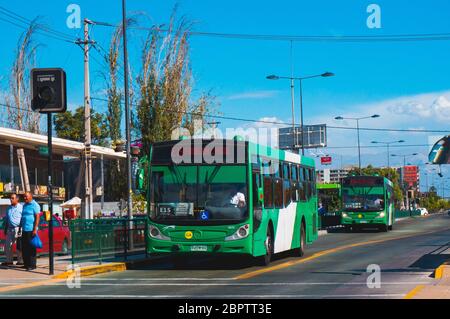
point(48, 95)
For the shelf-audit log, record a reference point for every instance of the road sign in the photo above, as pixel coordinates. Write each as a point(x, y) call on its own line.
point(48, 90)
point(43, 150)
point(325, 160)
point(315, 136)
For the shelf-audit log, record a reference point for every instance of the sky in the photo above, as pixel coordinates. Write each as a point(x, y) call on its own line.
point(406, 83)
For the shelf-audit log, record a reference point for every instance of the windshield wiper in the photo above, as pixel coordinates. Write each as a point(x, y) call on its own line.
point(174, 169)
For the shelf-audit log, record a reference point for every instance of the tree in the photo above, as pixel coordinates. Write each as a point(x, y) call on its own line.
point(18, 103)
point(70, 125)
point(165, 84)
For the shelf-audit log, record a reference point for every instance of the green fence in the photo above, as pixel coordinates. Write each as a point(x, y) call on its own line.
point(406, 213)
point(111, 239)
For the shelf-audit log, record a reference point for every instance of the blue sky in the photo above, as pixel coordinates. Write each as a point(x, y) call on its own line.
point(405, 82)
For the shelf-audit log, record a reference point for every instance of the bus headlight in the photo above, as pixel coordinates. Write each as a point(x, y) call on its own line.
point(381, 215)
point(344, 215)
point(155, 233)
point(241, 233)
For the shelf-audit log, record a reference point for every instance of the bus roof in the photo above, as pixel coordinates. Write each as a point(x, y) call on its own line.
point(259, 149)
point(329, 186)
point(276, 153)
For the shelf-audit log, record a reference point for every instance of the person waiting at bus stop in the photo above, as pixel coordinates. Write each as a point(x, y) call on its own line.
point(29, 222)
point(13, 231)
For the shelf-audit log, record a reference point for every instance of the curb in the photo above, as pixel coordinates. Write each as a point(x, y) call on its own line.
point(93, 270)
point(439, 271)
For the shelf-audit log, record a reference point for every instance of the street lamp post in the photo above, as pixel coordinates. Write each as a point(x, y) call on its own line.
point(388, 144)
point(300, 79)
point(357, 119)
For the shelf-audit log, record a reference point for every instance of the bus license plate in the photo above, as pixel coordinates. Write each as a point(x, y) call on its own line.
point(199, 248)
point(363, 221)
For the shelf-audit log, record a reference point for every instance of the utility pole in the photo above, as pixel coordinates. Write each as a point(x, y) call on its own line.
point(127, 108)
point(127, 127)
point(88, 211)
point(11, 165)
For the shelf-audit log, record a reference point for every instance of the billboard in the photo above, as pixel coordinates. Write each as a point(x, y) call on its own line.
point(411, 175)
point(325, 160)
point(315, 136)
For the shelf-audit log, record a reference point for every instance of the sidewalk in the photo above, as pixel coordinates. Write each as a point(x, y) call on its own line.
point(440, 289)
point(16, 276)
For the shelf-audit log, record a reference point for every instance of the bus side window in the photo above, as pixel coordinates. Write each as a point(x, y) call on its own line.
point(268, 192)
point(302, 184)
point(256, 185)
point(286, 185)
point(278, 192)
point(294, 183)
point(307, 184)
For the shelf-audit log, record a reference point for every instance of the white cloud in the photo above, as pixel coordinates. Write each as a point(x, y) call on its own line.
point(439, 108)
point(425, 111)
point(252, 95)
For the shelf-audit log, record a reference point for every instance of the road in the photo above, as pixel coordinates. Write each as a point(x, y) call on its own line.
point(335, 266)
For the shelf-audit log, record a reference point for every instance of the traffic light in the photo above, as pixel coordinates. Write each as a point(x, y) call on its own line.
point(48, 90)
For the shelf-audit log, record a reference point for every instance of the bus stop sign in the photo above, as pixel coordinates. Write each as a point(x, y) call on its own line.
point(48, 90)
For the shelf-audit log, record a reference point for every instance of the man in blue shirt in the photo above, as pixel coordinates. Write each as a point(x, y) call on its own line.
point(12, 230)
point(29, 222)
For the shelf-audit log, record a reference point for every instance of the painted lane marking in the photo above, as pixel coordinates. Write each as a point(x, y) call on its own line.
point(287, 264)
point(30, 285)
point(414, 292)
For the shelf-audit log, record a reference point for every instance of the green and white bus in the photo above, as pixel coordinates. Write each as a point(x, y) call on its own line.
point(229, 197)
point(367, 201)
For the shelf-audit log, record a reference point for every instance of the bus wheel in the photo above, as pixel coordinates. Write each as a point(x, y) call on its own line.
point(391, 227)
point(265, 260)
point(301, 250)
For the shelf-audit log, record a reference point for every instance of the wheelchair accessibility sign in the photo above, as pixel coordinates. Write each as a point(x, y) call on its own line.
point(204, 215)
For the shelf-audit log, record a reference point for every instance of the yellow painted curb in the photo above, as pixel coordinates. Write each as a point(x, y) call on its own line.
point(414, 292)
point(439, 272)
point(93, 270)
point(84, 272)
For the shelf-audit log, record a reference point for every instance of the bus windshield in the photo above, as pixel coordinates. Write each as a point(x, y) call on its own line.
point(370, 203)
point(198, 192)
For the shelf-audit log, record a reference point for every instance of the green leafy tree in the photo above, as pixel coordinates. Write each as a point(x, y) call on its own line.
point(70, 125)
point(432, 202)
point(166, 83)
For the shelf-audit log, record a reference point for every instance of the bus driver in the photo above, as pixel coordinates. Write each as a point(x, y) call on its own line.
point(238, 198)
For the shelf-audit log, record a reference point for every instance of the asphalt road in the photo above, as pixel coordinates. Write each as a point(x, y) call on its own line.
point(335, 266)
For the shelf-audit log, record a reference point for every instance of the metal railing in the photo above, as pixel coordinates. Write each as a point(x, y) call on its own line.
point(112, 239)
point(406, 213)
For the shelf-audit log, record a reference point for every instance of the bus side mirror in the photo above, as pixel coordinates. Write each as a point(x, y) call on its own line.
point(260, 195)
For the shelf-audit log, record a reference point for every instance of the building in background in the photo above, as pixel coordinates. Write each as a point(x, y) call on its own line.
point(333, 176)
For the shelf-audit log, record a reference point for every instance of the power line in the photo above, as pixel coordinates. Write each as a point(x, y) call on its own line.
point(286, 124)
point(313, 38)
point(38, 32)
point(45, 28)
